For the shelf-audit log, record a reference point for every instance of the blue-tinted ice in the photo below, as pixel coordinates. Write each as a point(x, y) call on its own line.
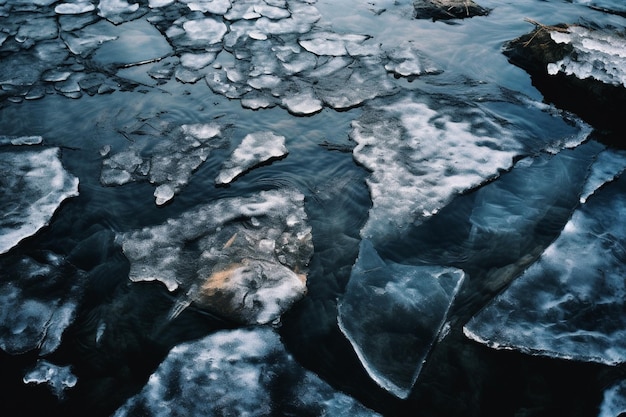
point(393, 313)
point(570, 303)
point(233, 372)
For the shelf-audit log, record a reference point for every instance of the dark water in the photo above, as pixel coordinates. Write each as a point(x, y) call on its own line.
point(460, 377)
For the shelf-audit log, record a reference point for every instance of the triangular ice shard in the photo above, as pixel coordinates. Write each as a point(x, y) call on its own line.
point(392, 315)
point(570, 303)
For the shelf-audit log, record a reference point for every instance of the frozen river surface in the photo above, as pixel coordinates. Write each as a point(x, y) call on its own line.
point(305, 208)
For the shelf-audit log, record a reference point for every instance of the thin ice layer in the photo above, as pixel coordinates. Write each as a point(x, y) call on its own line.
point(33, 184)
point(237, 370)
point(244, 258)
point(392, 315)
point(421, 158)
point(597, 54)
point(255, 149)
point(570, 303)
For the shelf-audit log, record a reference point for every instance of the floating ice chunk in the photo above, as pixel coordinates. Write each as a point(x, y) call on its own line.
point(255, 149)
point(393, 313)
point(421, 158)
point(271, 12)
point(218, 7)
point(168, 164)
point(113, 10)
point(20, 140)
point(351, 87)
point(248, 260)
point(303, 18)
point(78, 7)
point(568, 304)
point(237, 370)
point(597, 54)
point(34, 184)
point(197, 61)
point(37, 29)
point(614, 401)
point(609, 165)
point(58, 378)
point(163, 193)
point(302, 103)
point(155, 4)
point(138, 42)
point(209, 31)
point(406, 61)
point(329, 43)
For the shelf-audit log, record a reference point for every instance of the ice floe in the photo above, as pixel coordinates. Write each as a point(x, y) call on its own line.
point(58, 378)
point(243, 258)
point(168, 165)
point(255, 149)
point(393, 314)
point(34, 184)
point(32, 314)
point(569, 303)
point(421, 158)
point(236, 370)
point(610, 164)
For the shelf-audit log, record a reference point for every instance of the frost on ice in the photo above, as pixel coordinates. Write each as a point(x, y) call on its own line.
point(597, 54)
point(33, 183)
point(570, 303)
point(236, 370)
point(244, 258)
point(392, 314)
point(421, 158)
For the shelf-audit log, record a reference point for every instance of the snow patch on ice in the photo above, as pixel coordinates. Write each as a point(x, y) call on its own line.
point(421, 158)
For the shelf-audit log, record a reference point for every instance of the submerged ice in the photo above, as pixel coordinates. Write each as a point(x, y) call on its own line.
point(243, 258)
point(235, 371)
point(393, 313)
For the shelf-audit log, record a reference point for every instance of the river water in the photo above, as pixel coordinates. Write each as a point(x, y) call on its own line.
point(415, 136)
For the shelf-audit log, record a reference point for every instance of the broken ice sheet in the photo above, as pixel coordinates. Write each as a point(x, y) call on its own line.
point(244, 258)
point(255, 149)
point(33, 184)
point(168, 164)
point(570, 303)
point(137, 42)
point(421, 158)
point(237, 370)
point(392, 314)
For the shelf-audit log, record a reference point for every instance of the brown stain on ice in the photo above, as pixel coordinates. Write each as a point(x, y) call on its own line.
point(219, 279)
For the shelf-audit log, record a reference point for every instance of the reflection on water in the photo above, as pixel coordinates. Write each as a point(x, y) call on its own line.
point(418, 135)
